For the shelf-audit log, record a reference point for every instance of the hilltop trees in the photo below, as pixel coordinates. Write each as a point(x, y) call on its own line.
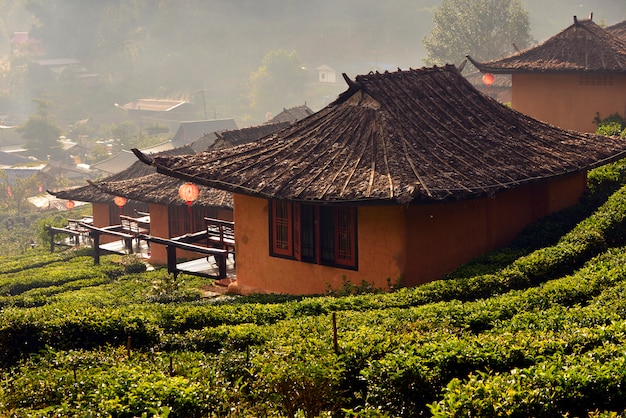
point(279, 82)
point(41, 132)
point(485, 29)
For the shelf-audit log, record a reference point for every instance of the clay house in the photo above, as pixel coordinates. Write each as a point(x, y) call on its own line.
point(105, 211)
point(170, 216)
point(570, 78)
point(405, 176)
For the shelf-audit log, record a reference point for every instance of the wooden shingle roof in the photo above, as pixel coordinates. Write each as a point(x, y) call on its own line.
point(400, 137)
point(90, 193)
point(583, 46)
point(235, 137)
point(292, 114)
point(618, 29)
point(161, 189)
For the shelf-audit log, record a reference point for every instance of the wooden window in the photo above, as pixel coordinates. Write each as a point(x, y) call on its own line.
point(345, 237)
point(282, 224)
point(595, 79)
point(314, 234)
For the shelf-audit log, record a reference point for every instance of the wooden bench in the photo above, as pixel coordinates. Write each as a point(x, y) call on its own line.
point(220, 234)
point(135, 226)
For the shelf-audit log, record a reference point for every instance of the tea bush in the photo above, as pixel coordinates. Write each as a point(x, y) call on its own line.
point(539, 332)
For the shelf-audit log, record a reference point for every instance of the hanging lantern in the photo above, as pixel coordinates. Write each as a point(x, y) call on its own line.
point(188, 192)
point(488, 79)
point(70, 204)
point(119, 201)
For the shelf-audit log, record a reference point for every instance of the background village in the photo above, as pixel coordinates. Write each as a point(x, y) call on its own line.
point(152, 193)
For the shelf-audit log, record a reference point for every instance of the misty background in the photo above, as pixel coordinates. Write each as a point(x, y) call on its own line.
point(212, 52)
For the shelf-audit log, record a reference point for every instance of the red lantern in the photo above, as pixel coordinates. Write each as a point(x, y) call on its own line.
point(188, 192)
point(488, 79)
point(70, 204)
point(119, 201)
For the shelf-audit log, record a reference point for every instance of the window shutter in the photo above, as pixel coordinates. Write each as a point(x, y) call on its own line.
point(345, 237)
point(297, 232)
point(281, 228)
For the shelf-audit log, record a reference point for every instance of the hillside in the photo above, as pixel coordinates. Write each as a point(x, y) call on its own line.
point(536, 329)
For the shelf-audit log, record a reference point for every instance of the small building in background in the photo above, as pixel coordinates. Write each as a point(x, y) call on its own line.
point(570, 79)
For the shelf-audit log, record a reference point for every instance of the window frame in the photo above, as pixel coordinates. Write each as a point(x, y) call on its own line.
point(344, 239)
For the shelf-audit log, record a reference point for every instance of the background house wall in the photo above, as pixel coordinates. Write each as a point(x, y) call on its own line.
point(569, 101)
point(159, 227)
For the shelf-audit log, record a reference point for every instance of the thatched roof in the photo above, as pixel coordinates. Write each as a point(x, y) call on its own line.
point(618, 29)
point(584, 46)
point(90, 193)
point(162, 189)
point(406, 136)
point(293, 114)
point(232, 138)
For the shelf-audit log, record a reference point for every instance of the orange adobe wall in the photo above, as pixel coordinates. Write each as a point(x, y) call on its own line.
point(381, 238)
point(159, 227)
point(467, 229)
point(416, 244)
point(569, 101)
point(101, 218)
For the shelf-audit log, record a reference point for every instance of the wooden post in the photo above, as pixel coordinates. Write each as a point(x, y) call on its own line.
point(171, 260)
point(221, 262)
point(96, 247)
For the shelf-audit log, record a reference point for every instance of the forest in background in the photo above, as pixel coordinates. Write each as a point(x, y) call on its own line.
point(207, 50)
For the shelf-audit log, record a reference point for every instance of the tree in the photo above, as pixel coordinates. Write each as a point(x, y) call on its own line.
point(484, 29)
point(15, 192)
point(278, 83)
point(41, 132)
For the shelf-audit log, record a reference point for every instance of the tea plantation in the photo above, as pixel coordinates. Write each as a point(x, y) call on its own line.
point(536, 329)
